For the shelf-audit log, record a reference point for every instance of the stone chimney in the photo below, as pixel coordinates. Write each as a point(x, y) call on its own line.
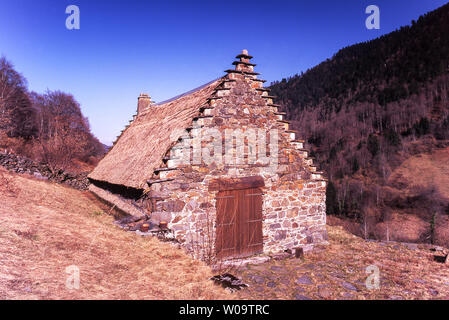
point(143, 101)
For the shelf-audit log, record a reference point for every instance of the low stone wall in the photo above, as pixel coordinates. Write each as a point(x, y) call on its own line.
point(22, 165)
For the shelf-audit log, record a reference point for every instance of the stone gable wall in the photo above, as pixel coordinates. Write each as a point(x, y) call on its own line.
point(294, 196)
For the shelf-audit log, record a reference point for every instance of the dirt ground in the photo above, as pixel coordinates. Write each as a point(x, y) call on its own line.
point(339, 271)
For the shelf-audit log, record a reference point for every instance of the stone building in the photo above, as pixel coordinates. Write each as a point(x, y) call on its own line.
point(221, 166)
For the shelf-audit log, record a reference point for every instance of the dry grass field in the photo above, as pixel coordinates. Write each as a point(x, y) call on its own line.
point(47, 227)
point(426, 169)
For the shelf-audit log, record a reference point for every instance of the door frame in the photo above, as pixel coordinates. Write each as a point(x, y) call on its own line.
point(236, 188)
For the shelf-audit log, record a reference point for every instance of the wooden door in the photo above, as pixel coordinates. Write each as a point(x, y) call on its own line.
point(239, 223)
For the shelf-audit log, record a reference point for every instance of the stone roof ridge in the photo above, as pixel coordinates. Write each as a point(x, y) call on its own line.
point(140, 156)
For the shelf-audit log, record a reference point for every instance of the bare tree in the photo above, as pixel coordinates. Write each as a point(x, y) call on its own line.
point(63, 132)
point(430, 200)
point(17, 117)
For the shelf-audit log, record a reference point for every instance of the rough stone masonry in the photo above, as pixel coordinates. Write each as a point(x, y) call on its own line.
point(293, 195)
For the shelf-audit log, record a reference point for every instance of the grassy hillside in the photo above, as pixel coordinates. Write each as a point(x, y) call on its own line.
point(426, 169)
point(47, 227)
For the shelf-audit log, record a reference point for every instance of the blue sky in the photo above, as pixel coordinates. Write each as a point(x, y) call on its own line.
point(168, 47)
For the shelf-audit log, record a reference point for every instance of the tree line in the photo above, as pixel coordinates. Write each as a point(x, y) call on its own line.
point(369, 108)
point(47, 127)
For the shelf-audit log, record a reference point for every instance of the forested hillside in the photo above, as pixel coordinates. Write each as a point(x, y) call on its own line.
point(366, 111)
point(47, 127)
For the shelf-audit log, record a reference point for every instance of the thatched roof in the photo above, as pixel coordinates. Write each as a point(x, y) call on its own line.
point(142, 146)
